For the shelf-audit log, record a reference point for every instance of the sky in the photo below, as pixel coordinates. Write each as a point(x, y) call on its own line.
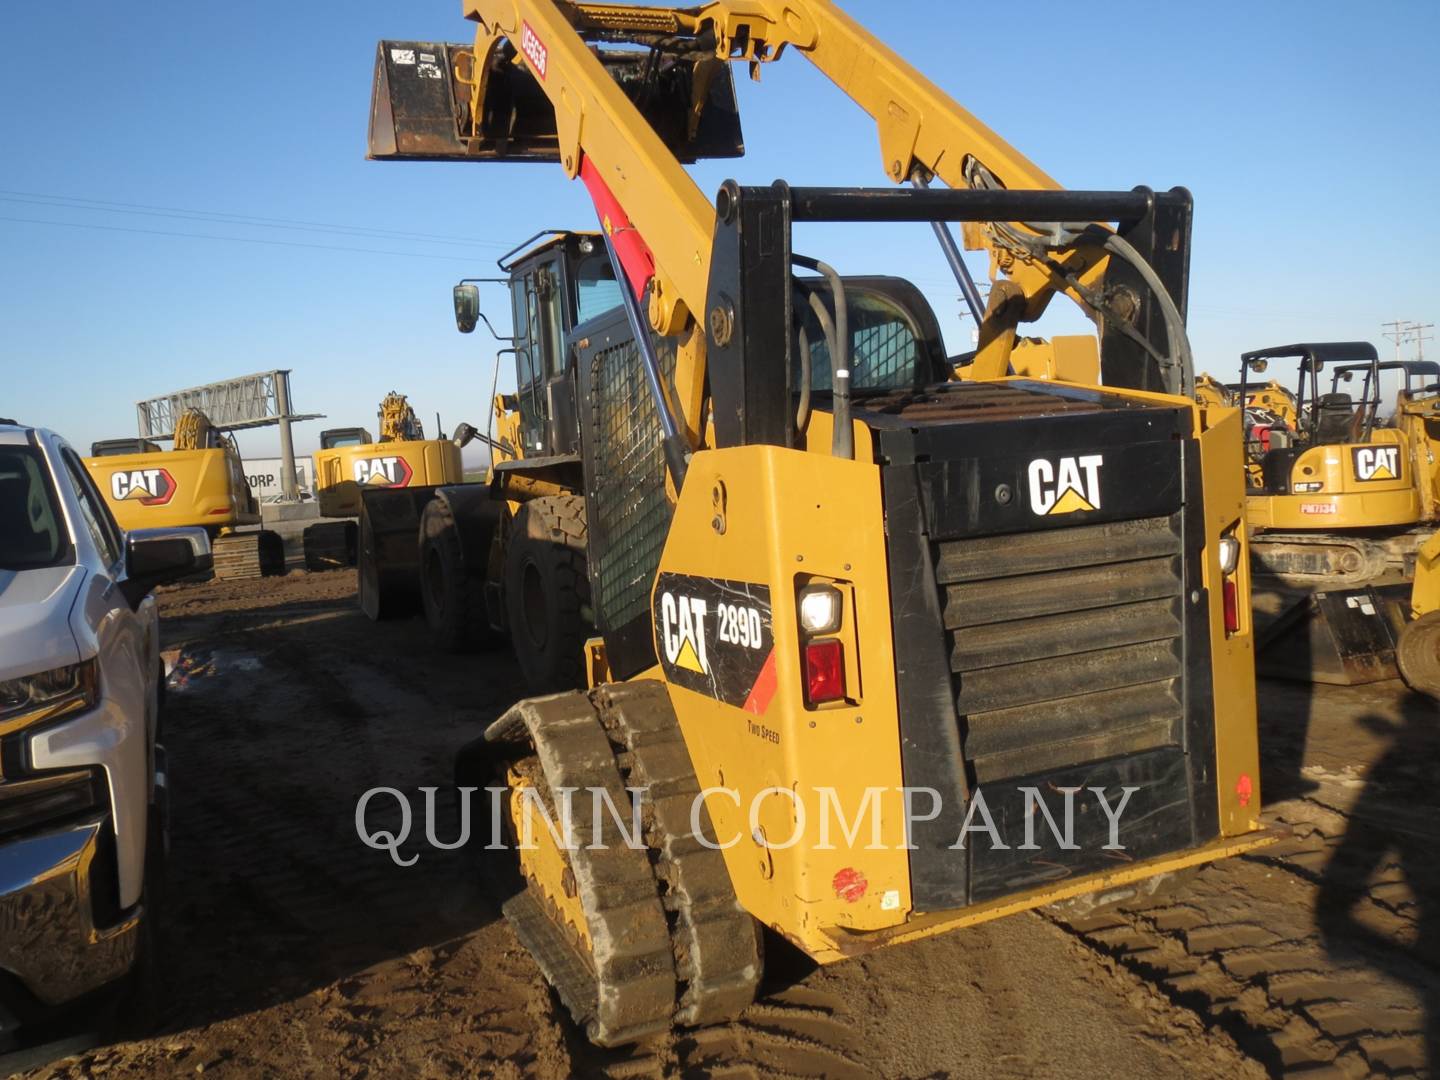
point(184, 195)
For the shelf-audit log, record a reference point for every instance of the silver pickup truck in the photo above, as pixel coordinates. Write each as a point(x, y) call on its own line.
point(81, 767)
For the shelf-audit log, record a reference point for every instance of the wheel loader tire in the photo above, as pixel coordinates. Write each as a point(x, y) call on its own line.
point(1418, 654)
point(454, 601)
point(547, 592)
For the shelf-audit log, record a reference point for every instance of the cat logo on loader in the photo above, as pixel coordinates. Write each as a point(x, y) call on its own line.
point(682, 628)
point(1065, 487)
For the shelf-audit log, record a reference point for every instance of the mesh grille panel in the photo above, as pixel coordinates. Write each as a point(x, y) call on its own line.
point(630, 516)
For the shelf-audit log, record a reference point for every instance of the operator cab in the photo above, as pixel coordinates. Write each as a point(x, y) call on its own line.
point(335, 438)
point(116, 447)
point(556, 286)
point(1329, 419)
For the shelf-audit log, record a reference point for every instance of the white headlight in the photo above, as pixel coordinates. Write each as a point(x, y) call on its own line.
point(819, 609)
point(1229, 554)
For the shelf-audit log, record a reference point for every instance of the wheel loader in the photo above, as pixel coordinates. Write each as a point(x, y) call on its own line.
point(200, 482)
point(350, 459)
point(770, 546)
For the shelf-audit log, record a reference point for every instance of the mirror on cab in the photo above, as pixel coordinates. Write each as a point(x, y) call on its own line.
point(159, 556)
point(1258, 365)
point(467, 307)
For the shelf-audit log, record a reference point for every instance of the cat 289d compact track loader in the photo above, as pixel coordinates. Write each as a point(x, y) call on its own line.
point(827, 563)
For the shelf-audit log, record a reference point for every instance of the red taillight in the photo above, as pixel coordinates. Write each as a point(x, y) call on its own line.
point(824, 671)
point(1232, 606)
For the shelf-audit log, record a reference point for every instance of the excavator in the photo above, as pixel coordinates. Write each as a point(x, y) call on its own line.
point(1340, 499)
point(350, 458)
point(759, 541)
point(201, 482)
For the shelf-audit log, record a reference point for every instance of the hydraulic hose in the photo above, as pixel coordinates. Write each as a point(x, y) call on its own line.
point(827, 327)
point(842, 443)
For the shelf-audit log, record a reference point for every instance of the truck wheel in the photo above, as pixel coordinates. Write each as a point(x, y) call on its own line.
point(454, 601)
point(1419, 654)
point(547, 592)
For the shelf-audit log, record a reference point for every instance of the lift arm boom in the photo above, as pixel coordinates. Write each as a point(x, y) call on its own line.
point(922, 133)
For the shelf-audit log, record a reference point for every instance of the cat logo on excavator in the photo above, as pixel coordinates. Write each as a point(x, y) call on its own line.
point(148, 487)
point(1376, 462)
point(1065, 487)
point(383, 471)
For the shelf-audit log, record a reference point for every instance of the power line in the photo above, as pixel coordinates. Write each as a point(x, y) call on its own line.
point(105, 206)
point(238, 239)
point(1401, 331)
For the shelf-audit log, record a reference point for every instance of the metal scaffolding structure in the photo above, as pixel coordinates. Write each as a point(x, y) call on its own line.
point(249, 401)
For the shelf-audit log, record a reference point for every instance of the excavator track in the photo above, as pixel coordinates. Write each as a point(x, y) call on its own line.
point(1335, 560)
point(248, 555)
point(330, 545)
point(664, 940)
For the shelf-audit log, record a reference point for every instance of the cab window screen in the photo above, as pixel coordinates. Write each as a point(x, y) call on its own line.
point(885, 351)
point(32, 533)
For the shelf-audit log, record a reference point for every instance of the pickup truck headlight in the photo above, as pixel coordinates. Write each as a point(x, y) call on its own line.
point(33, 698)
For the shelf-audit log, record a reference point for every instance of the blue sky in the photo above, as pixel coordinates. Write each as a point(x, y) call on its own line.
point(1307, 132)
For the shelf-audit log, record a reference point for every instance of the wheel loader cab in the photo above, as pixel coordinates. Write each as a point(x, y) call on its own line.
point(554, 287)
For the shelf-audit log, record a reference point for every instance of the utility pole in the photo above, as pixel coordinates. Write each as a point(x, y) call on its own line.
point(1400, 331)
point(1421, 337)
point(1396, 333)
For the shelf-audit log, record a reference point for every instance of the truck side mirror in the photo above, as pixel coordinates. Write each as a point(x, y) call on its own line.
point(467, 307)
point(159, 556)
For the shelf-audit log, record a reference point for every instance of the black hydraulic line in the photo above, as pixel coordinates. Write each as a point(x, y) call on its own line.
point(842, 441)
point(677, 450)
point(957, 264)
point(968, 204)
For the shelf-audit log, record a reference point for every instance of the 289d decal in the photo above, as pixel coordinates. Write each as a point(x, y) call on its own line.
point(714, 637)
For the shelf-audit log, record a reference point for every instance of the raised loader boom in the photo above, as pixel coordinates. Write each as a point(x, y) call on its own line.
point(628, 150)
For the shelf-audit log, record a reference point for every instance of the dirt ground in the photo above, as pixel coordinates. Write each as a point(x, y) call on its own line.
point(294, 950)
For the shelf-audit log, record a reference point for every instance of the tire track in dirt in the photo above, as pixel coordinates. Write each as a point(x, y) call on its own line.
point(1252, 948)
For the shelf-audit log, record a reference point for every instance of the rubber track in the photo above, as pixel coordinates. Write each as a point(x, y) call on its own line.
point(717, 955)
point(631, 991)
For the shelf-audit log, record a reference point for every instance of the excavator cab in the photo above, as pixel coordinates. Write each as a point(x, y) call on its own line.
point(334, 438)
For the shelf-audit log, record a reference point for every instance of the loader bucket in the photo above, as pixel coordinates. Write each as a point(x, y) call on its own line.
point(420, 107)
point(1346, 637)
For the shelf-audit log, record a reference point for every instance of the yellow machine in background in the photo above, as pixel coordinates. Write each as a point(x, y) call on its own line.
point(1340, 499)
point(349, 459)
point(770, 540)
point(1418, 650)
point(200, 482)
